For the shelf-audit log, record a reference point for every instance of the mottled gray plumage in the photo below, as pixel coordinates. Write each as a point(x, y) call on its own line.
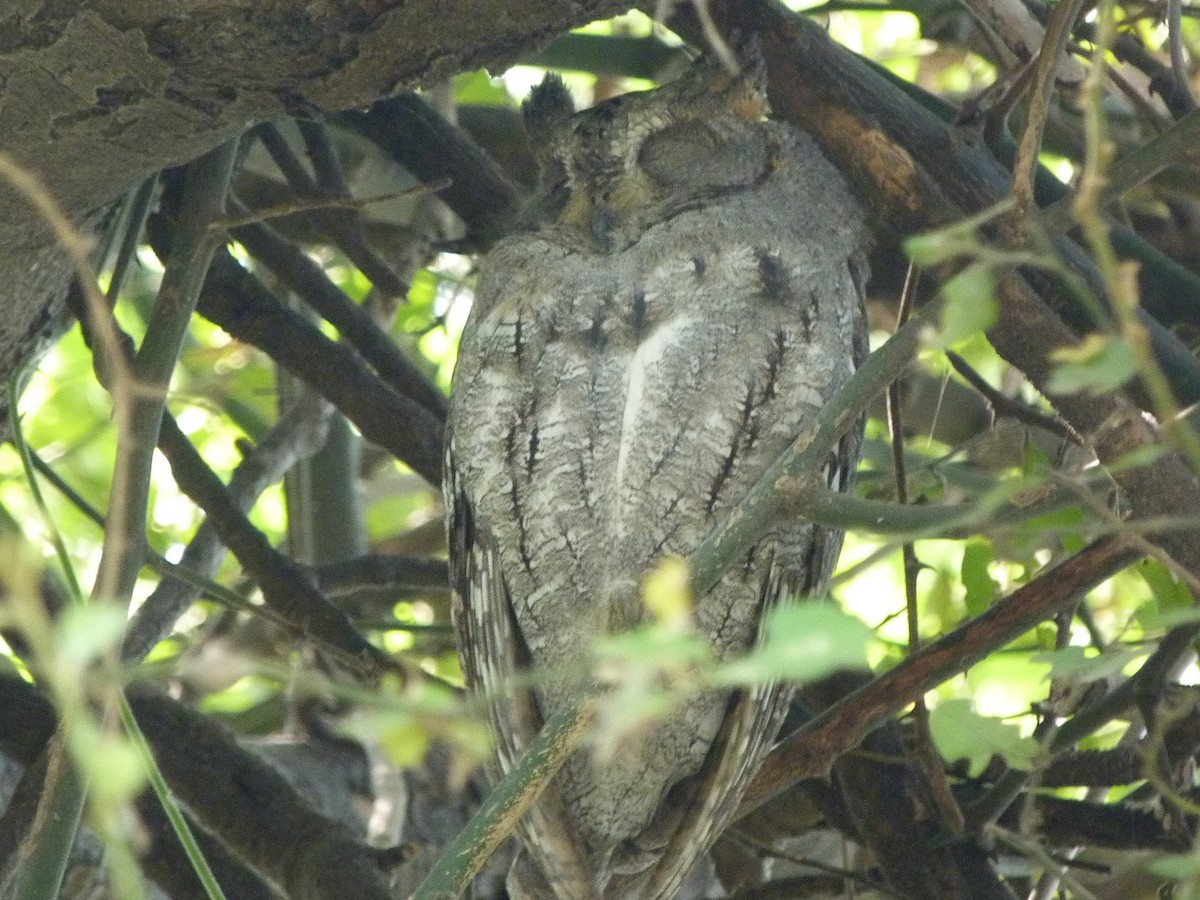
point(688, 299)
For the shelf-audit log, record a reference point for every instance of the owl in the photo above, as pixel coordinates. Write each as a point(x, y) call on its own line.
point(685, 297)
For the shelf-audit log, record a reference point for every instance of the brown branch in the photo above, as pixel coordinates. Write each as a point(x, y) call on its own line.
point(249, 805)
point(375, 570)
point(1002, 405)
point(298, 433)
point(285, 584)
point(308, 281)
point(341, 224)
point(809, 752)
point(236, 301)
point(412, 133)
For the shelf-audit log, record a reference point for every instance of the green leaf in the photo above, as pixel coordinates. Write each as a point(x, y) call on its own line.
point(1099, 364)
point(405, 742)
point(422, 290)
point(802, 642)
point(478, 88)
point(666, 594)
point(969, 306)
point(1084, 664)
point(653, 647)
point(86, 632)
point(115, 766)
point(980, 586)
point(1177, 866)
point(931, 249)
point(1170, 594)
point(961, 733)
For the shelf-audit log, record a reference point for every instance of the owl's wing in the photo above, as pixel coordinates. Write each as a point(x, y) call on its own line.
point(494, 655)
point(699, 809)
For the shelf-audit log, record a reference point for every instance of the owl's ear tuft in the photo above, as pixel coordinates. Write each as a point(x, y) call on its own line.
point(548, 107)
point(745, 93)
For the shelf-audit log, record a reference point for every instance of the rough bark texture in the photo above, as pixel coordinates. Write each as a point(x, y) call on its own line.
point(96, 95)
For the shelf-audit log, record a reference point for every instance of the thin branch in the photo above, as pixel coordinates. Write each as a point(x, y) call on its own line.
point(312, 285)
point(510, 799)
point(774, 498)
point(1058, 31)
point(924, 754)
point(137, 209)
point(1003, 405)
point(1176, 146)
point(343, 224)
point(139, 413)
point(298, 433)
point(296, 207)
point(177, 574)
point(810, 751)
point(1183, 81)
point(284, 583)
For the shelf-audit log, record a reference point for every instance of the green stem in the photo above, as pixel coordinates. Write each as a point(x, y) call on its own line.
point(47, 846)
point(495, 820)
point(779, 494)
point(139, 404)
point(178, 823)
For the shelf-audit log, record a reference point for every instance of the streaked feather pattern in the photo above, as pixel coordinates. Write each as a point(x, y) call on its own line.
point(629, 369)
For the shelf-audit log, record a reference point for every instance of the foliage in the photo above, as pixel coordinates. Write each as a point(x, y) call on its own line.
point(331, 618)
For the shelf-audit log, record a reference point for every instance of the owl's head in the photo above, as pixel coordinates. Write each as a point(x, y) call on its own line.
point(643, 156)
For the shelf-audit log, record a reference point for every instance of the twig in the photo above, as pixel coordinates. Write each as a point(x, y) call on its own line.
point(138, 388)
point(1058, 30)
point(341, 222)
point(1177, 145)
point(1036, 851)
point(137, 209)
point(750, 841)
point(285, 586)
point(925, 755)
point(175, 573)
point(1179, 63)
point(296, 207)
point(284, 583)
point(1003, 405)
point(297, 433)
point(310, 283)
point(1119, 279)
point(139, 413)
point(505, 805)
point(251, 807)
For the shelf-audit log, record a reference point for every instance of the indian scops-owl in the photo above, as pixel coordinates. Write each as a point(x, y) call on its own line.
point(688, 298)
